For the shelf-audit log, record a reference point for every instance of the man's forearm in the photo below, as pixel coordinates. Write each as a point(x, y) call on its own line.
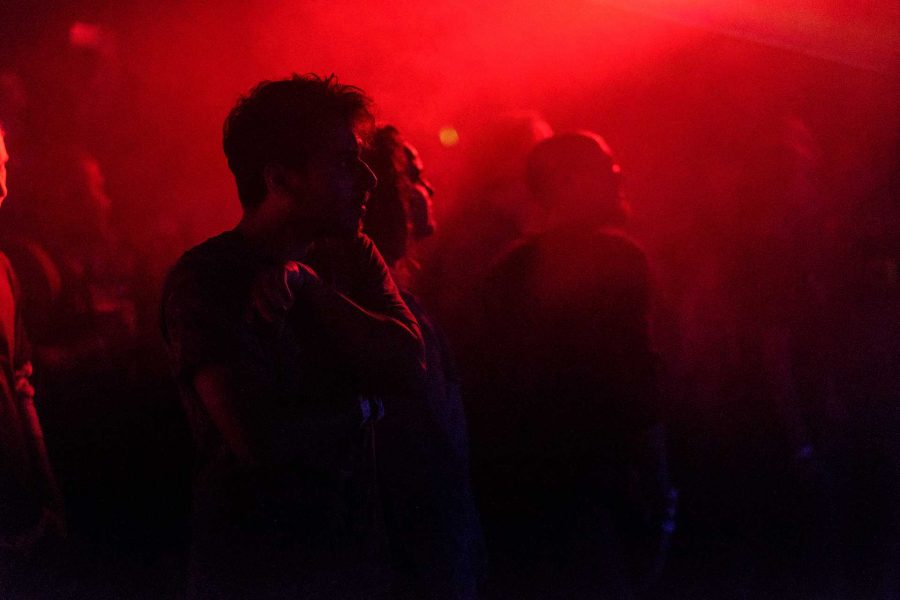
point(386, 349)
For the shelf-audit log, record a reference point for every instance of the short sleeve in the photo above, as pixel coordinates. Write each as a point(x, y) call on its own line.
point(368, 280)
point(197, 326)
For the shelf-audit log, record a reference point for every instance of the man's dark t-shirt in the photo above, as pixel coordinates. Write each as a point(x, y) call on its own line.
point(423, 471)
point(569, 384)
point(306, 521)
point(572, 373)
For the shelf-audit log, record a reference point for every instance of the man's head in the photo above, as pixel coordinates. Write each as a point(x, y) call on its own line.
point(4, 158)
point(419, 209)
point(400, 207)
point(299, 139)
point(575, 175)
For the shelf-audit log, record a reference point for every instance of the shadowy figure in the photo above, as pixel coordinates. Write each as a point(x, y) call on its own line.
point(81, 272)
point(423, 455)
point(115, 432)
point(570, 456)
point(282, 332)
point(31, 507)
point(762, 437)
point(491, 213)
point(78, 276)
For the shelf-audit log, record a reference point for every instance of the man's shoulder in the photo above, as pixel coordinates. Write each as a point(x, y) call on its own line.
point(619, 240)
point(210, 269)
point(619, 251)
point(204, 296)
point(8, 276)
point(217, 255)
point(6, 269)
point(516, 258)
point(224, 247)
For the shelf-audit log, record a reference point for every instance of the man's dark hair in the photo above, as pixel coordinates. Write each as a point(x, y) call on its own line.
point(581, 156)
point(385, 220)
point(284, 122)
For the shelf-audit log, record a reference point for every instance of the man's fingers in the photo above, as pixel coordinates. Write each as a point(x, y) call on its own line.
point(271, 296)
point(25, 370)
point(24, 387)
point(273, 292)
point(268, 310)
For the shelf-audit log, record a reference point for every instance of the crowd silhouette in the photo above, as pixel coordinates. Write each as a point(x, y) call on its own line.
point(352, 398)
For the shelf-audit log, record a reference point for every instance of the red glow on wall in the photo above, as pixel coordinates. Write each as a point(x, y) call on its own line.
point(85, 35)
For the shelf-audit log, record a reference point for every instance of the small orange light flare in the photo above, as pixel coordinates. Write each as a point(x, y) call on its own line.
point(448, 136)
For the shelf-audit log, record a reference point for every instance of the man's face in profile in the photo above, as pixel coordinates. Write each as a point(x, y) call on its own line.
point(4, 158)
point(337, 184)
point(419, 208)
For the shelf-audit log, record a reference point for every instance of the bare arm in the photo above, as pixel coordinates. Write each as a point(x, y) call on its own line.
point(213, 354)
point(216, 388)
point(374, 330)
point(386, 348)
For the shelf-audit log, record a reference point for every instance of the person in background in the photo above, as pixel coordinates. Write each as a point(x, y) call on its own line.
point(573, 476)
point(423, 456)
point(492, 212)
point(31, 507)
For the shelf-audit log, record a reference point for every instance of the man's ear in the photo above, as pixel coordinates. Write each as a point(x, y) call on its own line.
point(276, 178)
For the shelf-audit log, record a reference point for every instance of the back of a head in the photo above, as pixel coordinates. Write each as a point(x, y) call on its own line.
point(577, 173)
point(285, 122)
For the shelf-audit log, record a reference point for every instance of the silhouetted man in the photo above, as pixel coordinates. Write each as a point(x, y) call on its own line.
point(492, 212)
point(422, 442)
point(31, 510)
point(281, 333)
point(571, 440)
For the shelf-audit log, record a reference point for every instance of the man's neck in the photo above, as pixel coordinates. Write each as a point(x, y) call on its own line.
point(403, 273)
point(271, 239)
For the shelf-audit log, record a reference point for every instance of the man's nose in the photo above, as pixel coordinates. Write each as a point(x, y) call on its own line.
point(427, 185)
